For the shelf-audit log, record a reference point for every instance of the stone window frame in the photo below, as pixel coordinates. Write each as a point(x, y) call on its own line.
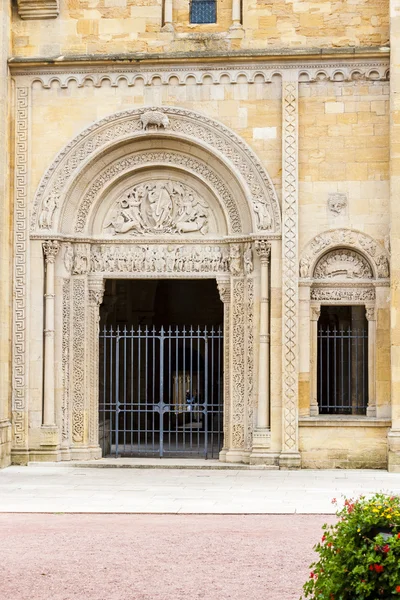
point(370, 313)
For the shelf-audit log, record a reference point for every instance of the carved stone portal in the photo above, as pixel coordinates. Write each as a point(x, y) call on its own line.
point(159, 207)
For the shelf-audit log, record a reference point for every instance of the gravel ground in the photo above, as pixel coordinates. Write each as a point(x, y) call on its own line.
point(156, 557)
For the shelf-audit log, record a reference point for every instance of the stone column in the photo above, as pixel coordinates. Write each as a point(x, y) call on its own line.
point(236, 14)
point(290, 456)
point(224, 288)
point(50, 250)
point(394, 433)
point(370, 313)
point(96, 292)
point(315, 313)
point(262, 433)
point(168, 18)
point(5, 246)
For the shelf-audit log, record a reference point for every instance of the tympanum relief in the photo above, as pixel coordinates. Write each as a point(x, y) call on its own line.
point(343, 263)
point(160, 206)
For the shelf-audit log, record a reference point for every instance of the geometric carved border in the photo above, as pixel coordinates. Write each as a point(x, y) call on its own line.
point(290, 266)
point(19, 366)
point(182, 124)
point(347, 238)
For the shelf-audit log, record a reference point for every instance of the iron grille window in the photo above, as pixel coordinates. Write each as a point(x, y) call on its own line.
point(203, 11)
point(342, 371)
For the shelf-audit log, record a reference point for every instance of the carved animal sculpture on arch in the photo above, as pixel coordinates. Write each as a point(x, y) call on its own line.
point(154, 117)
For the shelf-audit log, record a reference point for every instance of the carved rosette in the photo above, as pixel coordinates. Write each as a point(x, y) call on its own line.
point(50, 250)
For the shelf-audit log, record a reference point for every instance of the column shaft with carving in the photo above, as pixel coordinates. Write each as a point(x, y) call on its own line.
point(290, 456)
point(96, 291)
point(224, 288)
point(50, 250)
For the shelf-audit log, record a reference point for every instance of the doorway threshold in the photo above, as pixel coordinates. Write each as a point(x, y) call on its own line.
point(152, 463)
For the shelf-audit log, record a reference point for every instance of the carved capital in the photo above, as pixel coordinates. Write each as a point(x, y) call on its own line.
point(263, 249)
point(96, 290)
point(224, 288)
point(370, 313)
point(50, 250)
point(315, 313)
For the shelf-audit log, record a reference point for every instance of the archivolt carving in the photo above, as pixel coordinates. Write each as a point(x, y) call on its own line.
point(159, 207)
point(78, 373)
point(250, 363)
point(182, 124)
point(348, 238)
point(142, 159)
point(343, 263)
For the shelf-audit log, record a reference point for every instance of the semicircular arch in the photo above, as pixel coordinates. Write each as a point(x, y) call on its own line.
point(222, 145)
point(372, 253)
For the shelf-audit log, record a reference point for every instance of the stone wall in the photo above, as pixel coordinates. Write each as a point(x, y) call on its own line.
point(129, 26)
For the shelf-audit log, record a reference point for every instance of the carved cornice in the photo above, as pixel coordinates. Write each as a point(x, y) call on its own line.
point(38, 9)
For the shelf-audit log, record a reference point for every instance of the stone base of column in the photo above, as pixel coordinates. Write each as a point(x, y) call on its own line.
point(86, 453)
point(261, 452)
point(394, 451)
point(5, 444)
point(314, 410)
point(168, 27)
point(49, 436)
point(290, 460)
point(45, 454)
point(222, 455)
point(234, 456)
point(19, 456)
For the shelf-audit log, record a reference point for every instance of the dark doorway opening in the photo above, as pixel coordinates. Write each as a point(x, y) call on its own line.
point(342, 370)
point(161, 368)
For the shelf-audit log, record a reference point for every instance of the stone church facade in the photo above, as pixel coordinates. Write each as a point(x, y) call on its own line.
point(251, 144)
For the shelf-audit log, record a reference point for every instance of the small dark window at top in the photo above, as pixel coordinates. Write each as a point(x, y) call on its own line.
point(203, 11)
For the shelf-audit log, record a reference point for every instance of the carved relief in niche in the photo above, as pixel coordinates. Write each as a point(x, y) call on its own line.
point(337, 203)
point(159, 207)
point(343, 264)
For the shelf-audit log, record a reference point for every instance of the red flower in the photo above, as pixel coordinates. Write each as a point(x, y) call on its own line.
point(334, 500)
point(398, 589)
point(312, 575)
point(329, 544)
point(398, 536)
point(386, 548)
point(371, 567)
point(378, 568)
point(323, 538)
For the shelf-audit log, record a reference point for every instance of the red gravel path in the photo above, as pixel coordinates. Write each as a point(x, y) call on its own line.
point(156, 557)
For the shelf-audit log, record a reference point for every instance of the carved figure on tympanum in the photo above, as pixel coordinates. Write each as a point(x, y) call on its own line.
point(159, 207)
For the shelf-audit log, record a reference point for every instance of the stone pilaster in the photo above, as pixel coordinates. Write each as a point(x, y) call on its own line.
point(290, 456)
point(394, 433)
point(5, 247)
point(314, 317)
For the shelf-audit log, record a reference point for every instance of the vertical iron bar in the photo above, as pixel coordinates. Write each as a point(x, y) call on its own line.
point(161, 391)
point(334, 365)
point(328, 366)
point(125, 383)
point(205, 415)
point(117, 393)
point(349, 361)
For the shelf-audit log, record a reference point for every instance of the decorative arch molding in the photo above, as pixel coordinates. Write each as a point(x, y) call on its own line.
point(164, 123)
point(360, 244)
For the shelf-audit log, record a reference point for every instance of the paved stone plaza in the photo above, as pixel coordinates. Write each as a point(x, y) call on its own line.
point(220, 491)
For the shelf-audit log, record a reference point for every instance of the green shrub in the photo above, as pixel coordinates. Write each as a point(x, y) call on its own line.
point(359, 556)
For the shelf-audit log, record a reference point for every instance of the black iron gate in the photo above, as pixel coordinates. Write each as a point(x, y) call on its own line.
point(161, 391)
